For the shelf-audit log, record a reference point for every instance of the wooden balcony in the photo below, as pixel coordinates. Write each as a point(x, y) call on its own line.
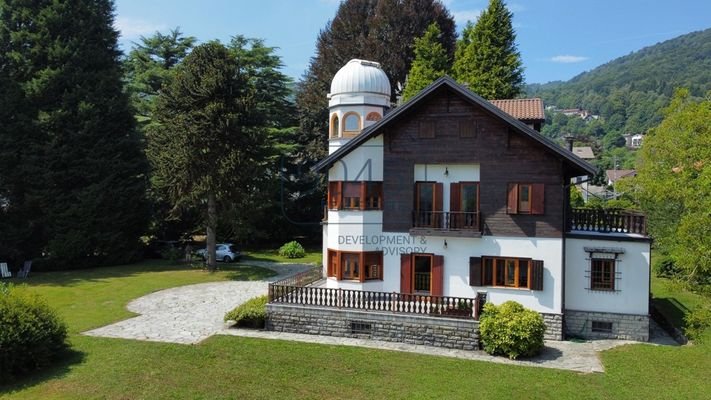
point(612, 221)
point(446, 223)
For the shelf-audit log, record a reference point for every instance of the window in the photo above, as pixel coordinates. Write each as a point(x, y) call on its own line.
point(464, 205)
point(602, 326)
point(350, 266)
point(373, 116)
point(355, 195)
point(602, 274)
point(510, 272)
point(358, 266)
point(351, 195)
point(525, 198)
point(334, 126)
point(428, 204)
point(351, 122)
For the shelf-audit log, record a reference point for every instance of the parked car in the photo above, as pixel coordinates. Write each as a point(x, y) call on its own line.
point(226, 252)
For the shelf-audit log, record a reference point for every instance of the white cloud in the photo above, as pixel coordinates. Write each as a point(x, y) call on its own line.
point(568, 59)
point(461, 17)
point(135, 28)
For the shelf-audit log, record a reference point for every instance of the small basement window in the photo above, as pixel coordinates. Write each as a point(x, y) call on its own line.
point(359, 327)
point(602, 326)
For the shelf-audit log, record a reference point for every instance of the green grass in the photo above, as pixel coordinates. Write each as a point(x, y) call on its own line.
point(673, 301)
point(312, 256)
point(225, 367)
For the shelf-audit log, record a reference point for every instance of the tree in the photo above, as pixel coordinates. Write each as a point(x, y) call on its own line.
point(487, 59)
point(210, 144)
point(674, 177)
point(431, 62)
point(79, 152)
point(150, 65)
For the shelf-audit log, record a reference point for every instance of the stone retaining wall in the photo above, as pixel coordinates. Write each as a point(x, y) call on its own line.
point(450, 333)
point(624, 326)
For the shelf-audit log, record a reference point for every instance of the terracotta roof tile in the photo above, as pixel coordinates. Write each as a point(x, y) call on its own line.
point(522, 109)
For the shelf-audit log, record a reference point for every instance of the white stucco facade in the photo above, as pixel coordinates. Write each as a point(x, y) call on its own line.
point(631, 293)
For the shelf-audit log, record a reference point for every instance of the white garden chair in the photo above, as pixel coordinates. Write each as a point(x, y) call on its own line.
point(4, 271)
point(25, 271)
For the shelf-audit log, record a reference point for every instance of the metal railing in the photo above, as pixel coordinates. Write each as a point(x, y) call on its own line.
point(446, 220)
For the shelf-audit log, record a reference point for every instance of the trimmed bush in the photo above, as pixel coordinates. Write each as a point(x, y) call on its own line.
point(511, 330)
point(292, 249)
point(697, 322)
point(251, 313)
point(31, 333)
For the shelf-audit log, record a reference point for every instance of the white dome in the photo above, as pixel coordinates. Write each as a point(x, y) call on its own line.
point(360, 76)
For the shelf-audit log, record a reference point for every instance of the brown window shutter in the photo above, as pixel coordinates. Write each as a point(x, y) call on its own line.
point(338, 266)
point(438, 196)
point(454, 195)
point(537, 275)
point(537, 198)
point(362, 266)
point(331, 268)
point(512, 203)
point(405, 273)
point(427, 129)
point(467, 128)
point(437, 284)
point(475, 271)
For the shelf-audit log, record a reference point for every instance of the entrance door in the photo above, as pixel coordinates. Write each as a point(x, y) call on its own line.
point(423, 274)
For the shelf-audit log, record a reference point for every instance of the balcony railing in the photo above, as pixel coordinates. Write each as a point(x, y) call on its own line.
point(439, 306)
point(446, 220)
point(607, 221)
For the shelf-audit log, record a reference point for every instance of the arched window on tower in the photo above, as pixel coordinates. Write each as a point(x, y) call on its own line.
point(351, 123)
point(334, 126)
point(373, 116)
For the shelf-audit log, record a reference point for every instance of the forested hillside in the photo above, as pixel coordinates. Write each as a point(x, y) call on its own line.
point(629, 92)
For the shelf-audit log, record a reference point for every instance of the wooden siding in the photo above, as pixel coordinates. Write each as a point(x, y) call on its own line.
point(503, 157)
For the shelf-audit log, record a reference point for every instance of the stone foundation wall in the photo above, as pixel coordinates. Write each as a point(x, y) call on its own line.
point(413, 329)
point(624, 326)
point(554, 326)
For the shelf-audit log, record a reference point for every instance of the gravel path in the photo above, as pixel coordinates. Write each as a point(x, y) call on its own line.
point(190, 314)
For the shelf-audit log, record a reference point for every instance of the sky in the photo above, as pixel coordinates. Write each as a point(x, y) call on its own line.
point(557, 39)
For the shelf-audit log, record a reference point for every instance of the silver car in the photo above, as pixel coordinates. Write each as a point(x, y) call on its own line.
point(226, 252)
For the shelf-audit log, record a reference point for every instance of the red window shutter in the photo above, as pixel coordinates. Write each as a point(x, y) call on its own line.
point(475, 271)
point(512, 203)
point(405, 273)
point(537, 198)
point(454, 196)
point(437, 284)
point(537, 275)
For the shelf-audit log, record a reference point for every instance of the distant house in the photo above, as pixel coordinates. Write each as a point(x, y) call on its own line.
point(613, 175)
point(634, 141)
point(585, 152)
point(578, 112)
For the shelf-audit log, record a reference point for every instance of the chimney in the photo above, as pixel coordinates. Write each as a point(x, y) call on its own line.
point(569, 141)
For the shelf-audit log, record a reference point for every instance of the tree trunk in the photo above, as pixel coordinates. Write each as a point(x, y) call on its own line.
point(211, 230)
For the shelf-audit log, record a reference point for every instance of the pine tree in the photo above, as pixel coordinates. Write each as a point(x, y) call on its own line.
point(210, 145)
point(431, 62)
point(487, 59)
point(81, 144)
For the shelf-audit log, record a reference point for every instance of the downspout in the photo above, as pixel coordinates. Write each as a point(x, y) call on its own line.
point(566, 206)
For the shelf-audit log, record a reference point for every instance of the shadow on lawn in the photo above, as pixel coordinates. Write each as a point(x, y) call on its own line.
point(672, 310)
point(61, 368)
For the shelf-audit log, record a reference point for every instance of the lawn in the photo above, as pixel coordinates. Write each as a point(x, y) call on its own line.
point(233, 367)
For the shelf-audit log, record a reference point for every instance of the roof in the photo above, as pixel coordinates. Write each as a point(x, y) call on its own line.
point(585, 152)
point(360, 76)
point(377, 128)
point(615, 174)
point(523, 109)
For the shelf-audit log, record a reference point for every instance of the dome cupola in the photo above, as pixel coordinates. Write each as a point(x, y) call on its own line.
point(360, 76)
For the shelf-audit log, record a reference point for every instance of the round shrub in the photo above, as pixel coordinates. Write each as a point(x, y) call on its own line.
point(697, 322)
point(251, 313)
point(511, 330)
point(31, 333)
point(292, 249)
